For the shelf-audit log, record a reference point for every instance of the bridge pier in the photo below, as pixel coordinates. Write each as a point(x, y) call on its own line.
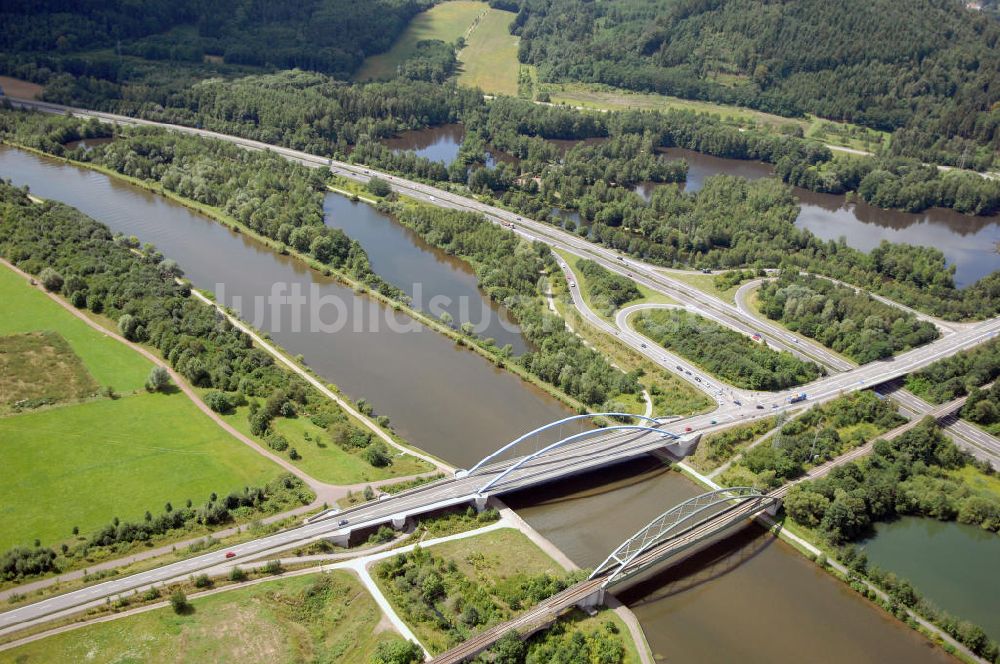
point(685, 445)
point(592, 601)
point(342, 539)
point(481, 502)
point(399, 521)
point(772, 509)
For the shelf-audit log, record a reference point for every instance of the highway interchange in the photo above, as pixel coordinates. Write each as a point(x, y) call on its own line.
point(733, 404)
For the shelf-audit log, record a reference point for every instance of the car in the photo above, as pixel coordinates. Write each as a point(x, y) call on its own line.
point(343, 522)
point(687, 372)
point(687, 429)
point(230, 554)
point(643, 345)
point(680, 368)
point(698, 378)
point(760, 406)
point(714, 421)
point(737, 402)
point(774, 405)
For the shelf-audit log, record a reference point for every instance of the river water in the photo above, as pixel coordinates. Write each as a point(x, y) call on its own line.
point(434, 279)
point(749, 597)
point(746, 598)
point(952, 564)
point(442, 398)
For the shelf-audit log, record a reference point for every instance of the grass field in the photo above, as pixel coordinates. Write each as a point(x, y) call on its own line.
point(704, 283)
point(15, 87)
point(26, 309)
point(81, 465)
point(446, 21)
point(41, 366)
point(648, 296)
point(489, 59)
point(326, 461)
point(312, 618)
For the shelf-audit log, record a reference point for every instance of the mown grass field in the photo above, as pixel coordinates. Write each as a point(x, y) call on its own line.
point(40, 366)
point(83, 464)
point(489, 59)
point(446, 21)
point(26, 309)
point(312, 618)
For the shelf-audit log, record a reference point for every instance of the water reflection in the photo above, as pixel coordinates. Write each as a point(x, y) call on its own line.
point(439, 143)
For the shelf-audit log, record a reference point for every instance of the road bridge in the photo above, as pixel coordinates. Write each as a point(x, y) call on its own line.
point(665, 540)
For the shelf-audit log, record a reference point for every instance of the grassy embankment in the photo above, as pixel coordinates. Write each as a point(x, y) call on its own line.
point(488, 61)
point(718, 447)
point(82, 463)
point(485, 572)
point(315, 617)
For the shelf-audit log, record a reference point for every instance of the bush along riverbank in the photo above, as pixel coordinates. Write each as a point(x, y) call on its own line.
point(914, 474)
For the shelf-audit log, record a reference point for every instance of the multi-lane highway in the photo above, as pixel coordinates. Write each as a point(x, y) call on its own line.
point(589, 453)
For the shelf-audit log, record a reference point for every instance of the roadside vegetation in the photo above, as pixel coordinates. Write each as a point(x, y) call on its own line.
point(717, 447)
point(955, 376)
point(605, 290)
point(509, 269)
point(920, 473)
point(320, 617)
point(451, 591)
point(821, 433)
point(724, 353)
point(841, 318)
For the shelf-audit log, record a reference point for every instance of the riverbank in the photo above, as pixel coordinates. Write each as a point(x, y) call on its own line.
point(467, 341)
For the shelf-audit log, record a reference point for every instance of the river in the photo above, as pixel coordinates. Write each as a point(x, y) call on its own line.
point(445, 399)
point(746, 598)
point(749, 597)
point(951, 564)
point(424, 272)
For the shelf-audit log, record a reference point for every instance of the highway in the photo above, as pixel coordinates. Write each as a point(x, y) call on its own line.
point(588, 454)
point(576, 457)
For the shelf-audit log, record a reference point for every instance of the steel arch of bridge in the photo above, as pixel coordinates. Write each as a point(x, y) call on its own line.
point(551, 425)
point(565, 441)
point(677, 519)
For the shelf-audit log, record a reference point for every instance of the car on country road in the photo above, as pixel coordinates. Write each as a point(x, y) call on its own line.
point(230, 554)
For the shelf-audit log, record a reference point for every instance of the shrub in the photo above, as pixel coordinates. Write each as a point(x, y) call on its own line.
point(52, 280)
point(179, 603)
point(158, 379)
point(218, 401)
point(377, 454)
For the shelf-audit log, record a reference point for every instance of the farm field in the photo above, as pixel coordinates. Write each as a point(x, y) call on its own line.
point(83, 464)
point(446, 21)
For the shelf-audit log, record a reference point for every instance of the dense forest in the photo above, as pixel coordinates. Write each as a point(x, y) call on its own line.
point(929, 69)
point(841, 318)
point(90, 38)
point(725, 353)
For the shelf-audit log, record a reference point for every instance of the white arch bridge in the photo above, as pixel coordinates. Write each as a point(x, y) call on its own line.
point(663, 540)
point(529, 460)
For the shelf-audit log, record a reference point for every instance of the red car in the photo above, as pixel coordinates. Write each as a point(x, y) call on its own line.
point(230, 554)
point(687, 429)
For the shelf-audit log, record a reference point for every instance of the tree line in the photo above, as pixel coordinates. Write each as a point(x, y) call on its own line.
point(607, 290)
point(105, 274)
point(841, 318)
point(725, 353)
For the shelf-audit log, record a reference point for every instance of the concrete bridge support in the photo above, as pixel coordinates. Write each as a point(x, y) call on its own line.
point(592, 601)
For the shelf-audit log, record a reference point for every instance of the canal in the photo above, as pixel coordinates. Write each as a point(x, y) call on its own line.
point(747, 597)
point(443, 398)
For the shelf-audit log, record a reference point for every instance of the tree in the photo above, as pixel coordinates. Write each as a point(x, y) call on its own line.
point(158, 379)
point(377, 454)
point(179, 603)
point(51, 279)
point(218, 401)
point(397, 652)
point(379, 187)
